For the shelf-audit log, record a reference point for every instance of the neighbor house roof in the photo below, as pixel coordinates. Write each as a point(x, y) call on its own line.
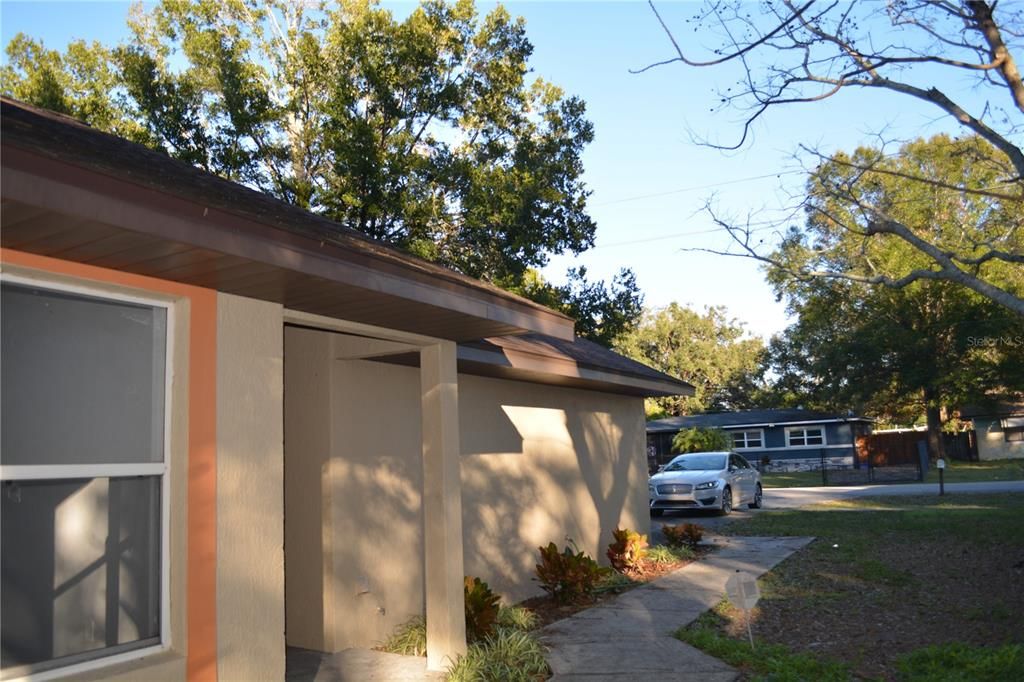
point(749, 418)
point(76, 193)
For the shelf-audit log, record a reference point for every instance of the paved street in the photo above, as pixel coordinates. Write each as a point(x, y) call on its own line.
point(793, 498)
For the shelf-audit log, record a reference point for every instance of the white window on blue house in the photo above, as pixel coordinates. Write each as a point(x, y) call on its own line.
point(746, 440)
point(805, 436)
point(1013, 429)
point(83, 464)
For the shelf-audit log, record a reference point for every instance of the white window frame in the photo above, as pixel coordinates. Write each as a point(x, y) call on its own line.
point(23, 472)
point(746, 440)
point(803, 431)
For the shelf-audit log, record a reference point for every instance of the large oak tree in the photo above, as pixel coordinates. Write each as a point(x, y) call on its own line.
point(428, 133)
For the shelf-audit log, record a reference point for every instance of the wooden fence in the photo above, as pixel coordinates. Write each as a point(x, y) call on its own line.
point(901, 448)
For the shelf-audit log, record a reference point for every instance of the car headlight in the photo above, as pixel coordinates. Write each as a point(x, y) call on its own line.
point(705, 486)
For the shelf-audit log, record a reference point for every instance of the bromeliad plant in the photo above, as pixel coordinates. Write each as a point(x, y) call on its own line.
point(482, 607)
point(568, 576)
point(627, 552)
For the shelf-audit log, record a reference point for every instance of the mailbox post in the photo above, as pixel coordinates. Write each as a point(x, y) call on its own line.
point(941, 466)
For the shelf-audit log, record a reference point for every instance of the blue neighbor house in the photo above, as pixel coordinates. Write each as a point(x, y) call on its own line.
point(772, 439)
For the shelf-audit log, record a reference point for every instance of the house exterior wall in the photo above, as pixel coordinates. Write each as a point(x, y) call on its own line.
point(307, 416)
point(539, 464)
point(250, 510)
point(992, 442)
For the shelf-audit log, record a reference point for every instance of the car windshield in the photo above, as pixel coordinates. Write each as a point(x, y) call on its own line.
point(697, 463)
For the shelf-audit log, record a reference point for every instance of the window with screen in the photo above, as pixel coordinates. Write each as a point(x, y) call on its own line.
point(83, 399)
point(747, 439)
point(805, 436)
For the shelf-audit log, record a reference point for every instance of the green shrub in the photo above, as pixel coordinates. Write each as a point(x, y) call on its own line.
point(700, 440)
point(686, 535)
point(508, 655)
point(660, 554)
point(410, 639)
point(959, 662)
point(517, 618)
point(567, 576)
point(627, 551)
point(481, 608)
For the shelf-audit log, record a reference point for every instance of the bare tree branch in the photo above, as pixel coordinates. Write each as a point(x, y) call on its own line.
point(802, 53)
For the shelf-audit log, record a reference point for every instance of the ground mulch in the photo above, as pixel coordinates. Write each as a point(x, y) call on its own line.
point(549, 611)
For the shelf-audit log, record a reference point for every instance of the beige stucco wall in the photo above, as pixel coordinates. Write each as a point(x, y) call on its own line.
point(539, 464)
point(250, 480)
point(374, 540)
point(307, 433)
point(992, 441)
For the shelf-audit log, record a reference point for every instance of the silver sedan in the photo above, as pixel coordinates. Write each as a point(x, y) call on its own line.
point(705, 480)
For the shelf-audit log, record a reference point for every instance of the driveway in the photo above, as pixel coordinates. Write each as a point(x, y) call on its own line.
point(794, 498)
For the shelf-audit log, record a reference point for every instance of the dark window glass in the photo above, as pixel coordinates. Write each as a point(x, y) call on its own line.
point(83, 379)
point(80, 568)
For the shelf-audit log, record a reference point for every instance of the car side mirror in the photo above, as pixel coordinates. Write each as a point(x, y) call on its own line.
point(733, 468)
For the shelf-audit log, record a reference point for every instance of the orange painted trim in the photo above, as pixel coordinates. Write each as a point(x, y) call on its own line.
point(202, 490)
point(201, 578)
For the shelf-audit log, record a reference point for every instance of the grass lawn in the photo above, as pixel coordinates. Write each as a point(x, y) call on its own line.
point(886, 579)
point(793, 479)
point(969, 472)
point(956, 472)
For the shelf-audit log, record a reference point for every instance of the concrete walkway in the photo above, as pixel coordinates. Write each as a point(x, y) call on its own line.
point(623, 638)
point(631, 636)
point(356, 665)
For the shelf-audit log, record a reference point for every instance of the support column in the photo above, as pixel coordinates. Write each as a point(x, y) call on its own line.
point(442, 506)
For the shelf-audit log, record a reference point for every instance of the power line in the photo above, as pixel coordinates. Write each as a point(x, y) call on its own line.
point(769, 223)
point(699, 187)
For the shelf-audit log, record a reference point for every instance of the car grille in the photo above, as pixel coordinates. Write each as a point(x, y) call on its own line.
point(671, 488)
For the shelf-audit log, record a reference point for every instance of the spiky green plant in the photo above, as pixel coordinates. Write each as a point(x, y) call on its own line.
point(660, 554)
point(508, 655)
point(410, 639)
point(517, 618)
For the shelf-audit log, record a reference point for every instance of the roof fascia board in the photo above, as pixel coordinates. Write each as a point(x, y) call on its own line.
point(667, 427)
point(534, 363)
point(68, 189)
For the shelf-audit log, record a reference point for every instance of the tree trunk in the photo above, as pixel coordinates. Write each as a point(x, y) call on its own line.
point(933, 416)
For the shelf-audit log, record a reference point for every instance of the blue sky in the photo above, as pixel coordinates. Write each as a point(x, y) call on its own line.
point(649, 179)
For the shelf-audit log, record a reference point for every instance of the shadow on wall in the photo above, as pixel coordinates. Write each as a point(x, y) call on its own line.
point(576, 469)
point(539, 464)
point(353, 483)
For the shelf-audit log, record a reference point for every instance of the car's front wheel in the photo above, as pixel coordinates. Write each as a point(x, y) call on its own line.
point(758, 501)
point(727, 501)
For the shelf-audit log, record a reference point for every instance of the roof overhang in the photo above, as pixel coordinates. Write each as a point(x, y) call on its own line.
point(666, 428)
point(537, 368)
point(545, 368)
point(64, 210)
